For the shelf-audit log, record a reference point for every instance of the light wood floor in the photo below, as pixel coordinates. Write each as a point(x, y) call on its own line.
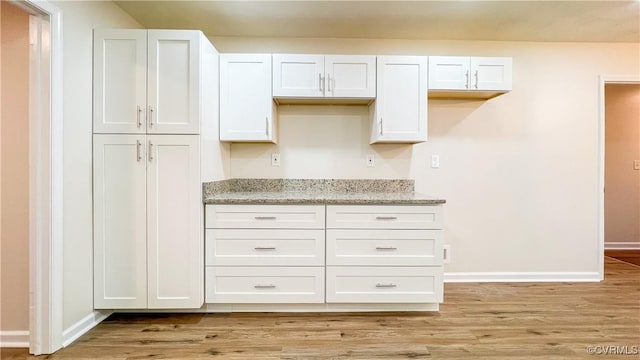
point(477, 321)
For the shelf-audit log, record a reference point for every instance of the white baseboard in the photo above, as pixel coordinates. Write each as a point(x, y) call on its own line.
point(622, 246)
point(462, 277)
point(14, 339)
point(78, 329)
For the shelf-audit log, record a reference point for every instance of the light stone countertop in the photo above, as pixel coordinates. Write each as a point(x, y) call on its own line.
point(316, 191)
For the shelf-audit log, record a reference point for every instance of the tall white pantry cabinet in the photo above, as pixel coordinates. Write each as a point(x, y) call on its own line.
point(154, 102)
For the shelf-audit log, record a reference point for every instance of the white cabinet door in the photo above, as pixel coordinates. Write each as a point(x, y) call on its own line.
point(449, 72)
point(298, 76)
point(400, 111)
point(119, 206)
point(491, 73)
point(350, 76)
point(173, 82)
point(246, 106)
point(174, 222)
point(469, 73)
point(119, 81)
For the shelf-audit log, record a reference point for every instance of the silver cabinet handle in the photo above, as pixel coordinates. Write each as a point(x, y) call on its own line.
point(388, 285)
point(150, 116)
point(264, 217)
point(329, 82)
point(466, 81)
point(150, 151)
point(386, 218)
point(138, 154)
point(264, 286)
point(476, 79)
point(320, 82)
point(266, 121)
point(139, 115)
point(380, 126)
point(264, 248)
point(386, 248)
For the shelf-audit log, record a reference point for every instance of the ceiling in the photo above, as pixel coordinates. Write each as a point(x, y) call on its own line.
point(542, 20)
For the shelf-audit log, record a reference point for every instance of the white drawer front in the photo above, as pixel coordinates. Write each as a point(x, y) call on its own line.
point(265, 216)
point(384, 284)
point(264, 284)
point(384, 217)
point(263, 247)
point(384, 247)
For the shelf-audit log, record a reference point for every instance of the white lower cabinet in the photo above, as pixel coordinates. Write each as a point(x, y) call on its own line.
point(384, 254)
point(251, 285)
point(147, 222)
point(384, 284)
point(275, 254)
point(260, 254)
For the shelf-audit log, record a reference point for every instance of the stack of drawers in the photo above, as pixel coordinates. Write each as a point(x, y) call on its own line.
point(264, 254)
point(270, 254)
point(384, 254)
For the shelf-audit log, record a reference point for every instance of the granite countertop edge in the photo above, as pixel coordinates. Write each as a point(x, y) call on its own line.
point(319, 192)
point(354, 201)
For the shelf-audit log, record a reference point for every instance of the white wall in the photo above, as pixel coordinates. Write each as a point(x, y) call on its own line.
point(519, 172)
point(79, 20)
point(622, 147)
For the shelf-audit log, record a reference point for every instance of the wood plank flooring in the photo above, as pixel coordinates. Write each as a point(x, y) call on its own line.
point(629, 256)
point(477, 321)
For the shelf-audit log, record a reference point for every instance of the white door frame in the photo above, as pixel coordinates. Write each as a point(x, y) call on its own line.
point(605, 79)
point(45, 177)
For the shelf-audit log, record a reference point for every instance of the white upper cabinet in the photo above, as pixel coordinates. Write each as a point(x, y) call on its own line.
point(247, 110)
point(491, 73)
point(463, 76)
point(349, 76)
point(298, 75)
point(147, 81)
point(173, 92)
point(119, 81)
point(399, 114)
point(319, 76)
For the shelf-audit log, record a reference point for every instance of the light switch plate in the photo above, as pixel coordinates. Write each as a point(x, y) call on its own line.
point(435, 161)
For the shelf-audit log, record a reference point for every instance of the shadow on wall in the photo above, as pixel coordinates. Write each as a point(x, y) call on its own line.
point(322, 141)
point(446, 115)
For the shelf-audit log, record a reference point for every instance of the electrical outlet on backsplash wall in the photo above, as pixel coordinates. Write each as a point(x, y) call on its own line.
point(319, 141)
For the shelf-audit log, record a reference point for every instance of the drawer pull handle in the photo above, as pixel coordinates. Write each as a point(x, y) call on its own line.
point(264, 286)
point(386, 218)
point(389, 285)
point(386, 248)
point(264, 217)
point(265, 248)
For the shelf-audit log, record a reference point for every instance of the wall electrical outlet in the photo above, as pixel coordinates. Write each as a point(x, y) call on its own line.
point(435, 161)
point(371, 160)
point(636, 164)
point(446, 254)
point(275, 159)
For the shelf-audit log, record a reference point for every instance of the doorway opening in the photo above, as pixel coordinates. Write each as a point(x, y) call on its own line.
point(44, 169)
point(619, 169)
